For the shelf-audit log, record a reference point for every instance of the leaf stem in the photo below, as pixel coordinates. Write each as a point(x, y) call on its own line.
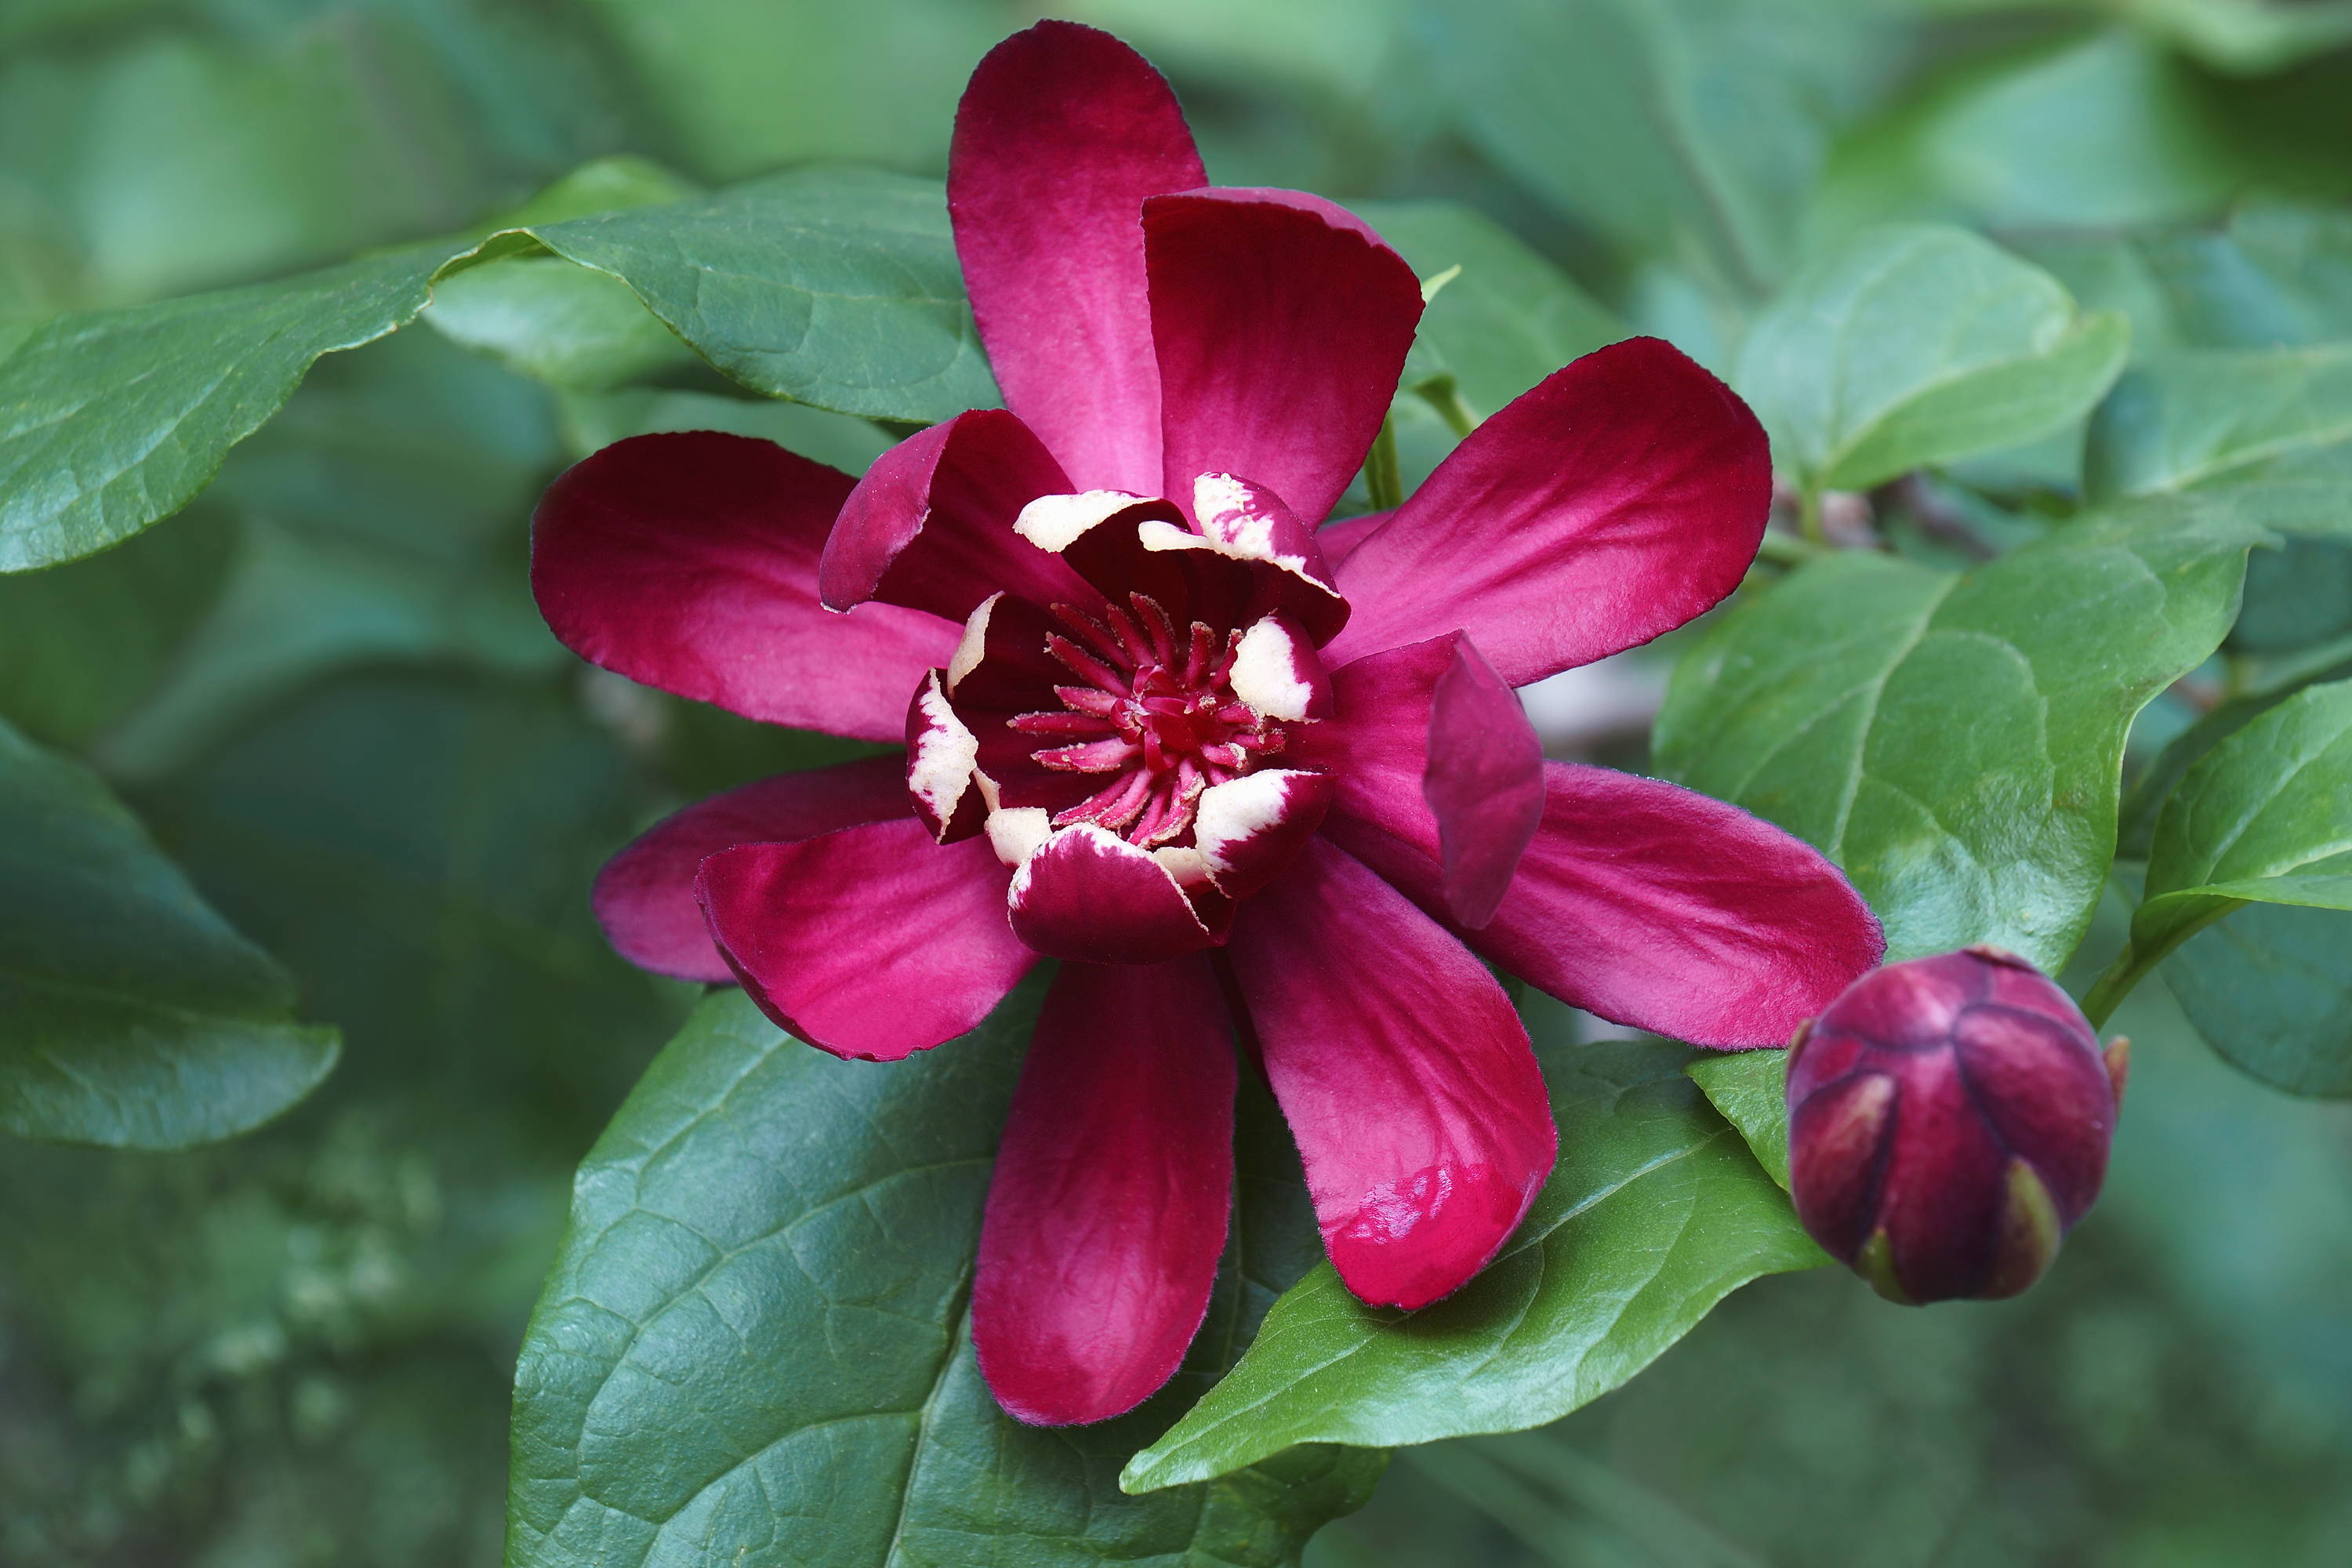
point(1786, 549)
point(1383, 482)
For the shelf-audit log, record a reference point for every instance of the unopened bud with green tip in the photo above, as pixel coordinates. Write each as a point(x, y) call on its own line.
point(1948, 1123)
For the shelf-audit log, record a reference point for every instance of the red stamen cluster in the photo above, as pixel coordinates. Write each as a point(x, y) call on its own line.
point(1156, 711)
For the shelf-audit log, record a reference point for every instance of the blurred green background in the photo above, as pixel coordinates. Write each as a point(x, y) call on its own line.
point(327, 691)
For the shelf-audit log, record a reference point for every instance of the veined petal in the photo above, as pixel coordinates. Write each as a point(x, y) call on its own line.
point(1107, 1208)
point(1248, 830)
point(1620, 498)
point(688, 562)
point(1281, 326)
point(1404, 1071)
point(1655, 906)
point(1250, 519)
point(872, 943)
point(1060, 138)
point(931, 525)
point(1089, 895)
point(644, 895)
point(1430, 747)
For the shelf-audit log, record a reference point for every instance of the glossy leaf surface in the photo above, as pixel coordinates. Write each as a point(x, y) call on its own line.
point(1955, 740)
point(834, 286)
point(1655, 1212)
point(130, 1014)
point(1916, 345)
point(110, 419)
point(755, 1347)
point(2264, 818)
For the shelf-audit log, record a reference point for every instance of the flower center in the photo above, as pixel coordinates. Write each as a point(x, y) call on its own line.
point(1153, 710)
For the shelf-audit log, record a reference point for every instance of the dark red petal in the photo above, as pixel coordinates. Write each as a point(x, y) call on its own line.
point(1404, 1073)
point(1281, 329)
point(2043, 1087)
point(1431, 747)
point(1107, 1211)
point(1248, 830)
point(688, 562)
point(1654, 906)
point(871, 943)
point(1250, 519)
point(1089, 895)
point(644, 895)
point(1145, 547)
point(931, 525)
point(1061, 136)
point(1618, 498)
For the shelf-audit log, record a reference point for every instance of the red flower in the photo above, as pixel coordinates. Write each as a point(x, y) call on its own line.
point(1244, 776)
point(1948, 1123)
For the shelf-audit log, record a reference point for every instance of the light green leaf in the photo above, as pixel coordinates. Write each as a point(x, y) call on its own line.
point(755, 1348)
point(834, 286)
point(130, 1014)
point(2195, 416)
point(1955, 740)
point(563, 324)
point(112, 419)
point(1508, 319)
point(2263, 818)
point(1915, 345)
point(594, 420)
point(1751, 1090)
point(1655, 1212)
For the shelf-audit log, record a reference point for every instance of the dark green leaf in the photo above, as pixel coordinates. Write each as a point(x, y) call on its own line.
point(81, 643)
point(2269, 989)
point(834, 286)
point(1955, 740)
point(2263, 818)
point(1502, 323)
point(130, 1014)
point(1915, 345)
point(1655, 1212)
point(546, 318)
point(755, 1348)
point(2246, 39)
point(1751, 1090)
point(112, 419)
point(592, 420)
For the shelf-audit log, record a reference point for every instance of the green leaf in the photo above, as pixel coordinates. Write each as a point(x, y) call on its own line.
point(1915, 345)
point(594, 420)
point(81, 643)
point(2191, 416)
point(130, 1014)
point(112, 419)
point(2274, 276)
point(2246, 37)
point(1955, 740)
point(1671, 126)
point(1751, 1090)
point(2263, 818)
point(1655, 1212)
point(1508, 319)
point(546, 318)
point(834, 286)
point(755, 1346)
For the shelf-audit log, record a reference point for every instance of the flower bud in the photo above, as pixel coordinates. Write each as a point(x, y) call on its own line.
point(1948, 1122)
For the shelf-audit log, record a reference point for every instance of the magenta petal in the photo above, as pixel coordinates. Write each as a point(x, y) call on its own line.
point(688, 562)
point(1404, 1073)
point(1108, 1209)
point(644, 895)
point(1431, 748)
point(1618, 498)
point(871, 943)
point(1091, 896)
point(931, 525)
point(1654, 906)
point(1281, 329)
point(1061, 136)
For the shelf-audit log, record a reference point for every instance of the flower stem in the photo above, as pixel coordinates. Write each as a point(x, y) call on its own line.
point(1809, 516)
point(1383, 482)
point(1786, 549)
point(1441, 394)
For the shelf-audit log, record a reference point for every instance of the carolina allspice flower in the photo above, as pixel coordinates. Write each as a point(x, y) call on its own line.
point(1948, 1122)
